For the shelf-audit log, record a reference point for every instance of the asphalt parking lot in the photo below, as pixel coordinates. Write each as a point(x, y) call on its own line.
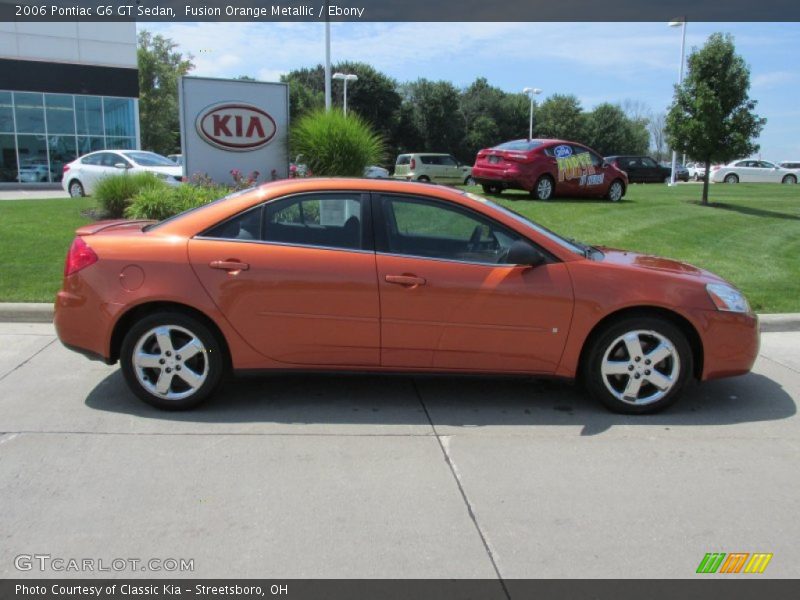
point(370, 476)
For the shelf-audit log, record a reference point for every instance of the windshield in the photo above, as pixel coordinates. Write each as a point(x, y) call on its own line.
point(149, 159)
point(519, 145)
point(551, 235)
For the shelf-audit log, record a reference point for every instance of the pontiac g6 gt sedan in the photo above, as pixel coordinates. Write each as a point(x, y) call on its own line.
point(376, 275)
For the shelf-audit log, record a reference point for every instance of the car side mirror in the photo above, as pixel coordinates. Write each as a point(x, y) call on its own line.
point(120, 165)
point(523, 253)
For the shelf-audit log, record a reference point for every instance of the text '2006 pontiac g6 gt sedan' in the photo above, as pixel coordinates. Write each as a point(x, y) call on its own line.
point(371, 275)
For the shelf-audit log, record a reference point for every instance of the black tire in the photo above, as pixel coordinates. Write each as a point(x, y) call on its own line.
point(790, 179)
point(646, 328)
point(491, 188)
point(211, 355)
point(731, 178)
point(616, 186)
point(544, 189)
point(423, 178)
point(469, 181)
point(668, 180)
point(75, 188)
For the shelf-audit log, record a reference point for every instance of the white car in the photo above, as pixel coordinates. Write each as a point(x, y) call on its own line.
point(791, 165)
point(82, 174)
point(376, 172)
point(752, 171)
point(697, 170)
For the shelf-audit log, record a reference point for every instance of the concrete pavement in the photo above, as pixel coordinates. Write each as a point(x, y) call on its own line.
point(371, 476)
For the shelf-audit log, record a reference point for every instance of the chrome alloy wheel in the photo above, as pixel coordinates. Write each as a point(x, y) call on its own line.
point(170, 362)
point(615, 192)
point(640, 367)
point(544, 189)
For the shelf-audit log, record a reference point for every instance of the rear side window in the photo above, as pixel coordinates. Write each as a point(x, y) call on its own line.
point(429, 160)
point(92, 159)
point(246, 226)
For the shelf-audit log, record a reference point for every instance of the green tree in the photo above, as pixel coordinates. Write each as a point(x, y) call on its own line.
point(560, 116)
point(160, 68)
point(609, 131)
point(490, 116)
point(432, 116)
point(711, 117)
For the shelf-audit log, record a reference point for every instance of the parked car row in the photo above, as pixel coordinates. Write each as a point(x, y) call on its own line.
point(755, 171)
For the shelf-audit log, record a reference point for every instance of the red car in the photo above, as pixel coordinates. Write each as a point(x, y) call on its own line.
point(548, 168)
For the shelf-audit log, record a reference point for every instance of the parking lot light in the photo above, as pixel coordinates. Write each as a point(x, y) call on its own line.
point(345, 77)
point(681, 22)
point(532, 92)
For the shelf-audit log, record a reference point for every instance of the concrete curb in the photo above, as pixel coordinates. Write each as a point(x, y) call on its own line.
point(25, 312)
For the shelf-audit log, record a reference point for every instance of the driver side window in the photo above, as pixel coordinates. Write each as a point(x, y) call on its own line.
point(430, 229)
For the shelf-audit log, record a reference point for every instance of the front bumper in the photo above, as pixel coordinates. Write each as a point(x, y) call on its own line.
point(730, 342)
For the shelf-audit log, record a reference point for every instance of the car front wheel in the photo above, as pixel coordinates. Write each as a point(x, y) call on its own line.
point(615, 191)
point(172, 361)
point(638, 365)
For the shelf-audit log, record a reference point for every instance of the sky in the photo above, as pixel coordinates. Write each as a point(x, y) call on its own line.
point(597, 62)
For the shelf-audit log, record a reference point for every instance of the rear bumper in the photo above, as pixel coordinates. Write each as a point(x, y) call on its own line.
point(83, 323)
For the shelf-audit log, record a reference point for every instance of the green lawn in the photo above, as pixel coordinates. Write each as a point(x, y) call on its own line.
point(751, 237)
point(34, 238)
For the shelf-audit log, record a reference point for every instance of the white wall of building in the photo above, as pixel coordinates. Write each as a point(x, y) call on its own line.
point(103, 44)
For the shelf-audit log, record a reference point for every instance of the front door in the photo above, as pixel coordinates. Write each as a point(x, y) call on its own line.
point(449, 302)
point(296, 278)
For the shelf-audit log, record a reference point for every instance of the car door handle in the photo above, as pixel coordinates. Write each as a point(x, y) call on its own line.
point(407, 280)
point(229, 265)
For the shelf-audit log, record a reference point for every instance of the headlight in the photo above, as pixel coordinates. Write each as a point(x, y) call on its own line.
point(727, 298)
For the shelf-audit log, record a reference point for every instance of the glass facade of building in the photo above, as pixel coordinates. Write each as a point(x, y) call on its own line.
point(40, 132)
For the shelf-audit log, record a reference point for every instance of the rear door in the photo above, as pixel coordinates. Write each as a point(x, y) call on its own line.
point(296, 278)
point(448, 301)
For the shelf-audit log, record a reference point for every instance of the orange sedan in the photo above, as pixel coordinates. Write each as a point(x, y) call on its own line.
point(370, 275)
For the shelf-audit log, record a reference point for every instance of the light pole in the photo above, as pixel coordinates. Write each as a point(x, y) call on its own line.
point(327, 60)
point(345, 77)
point(532, 93)
point(682, 24)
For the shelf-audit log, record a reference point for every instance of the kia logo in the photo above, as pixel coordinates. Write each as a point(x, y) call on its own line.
point(235, 126)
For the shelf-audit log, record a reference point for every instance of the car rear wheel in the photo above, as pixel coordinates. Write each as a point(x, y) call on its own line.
point(615, 191)
point(172, 361)
point(544, 188)
point(76, 189)
point(732, 178)
point(790, 179)
point(490, 188)
point(638, 365)
point(423, 178)
point(469, 181)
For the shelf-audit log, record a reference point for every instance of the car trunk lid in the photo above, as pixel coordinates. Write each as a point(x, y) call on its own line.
point(116, 224)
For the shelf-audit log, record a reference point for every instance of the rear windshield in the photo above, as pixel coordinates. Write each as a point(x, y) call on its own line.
point(519, 145)
point(403, 159)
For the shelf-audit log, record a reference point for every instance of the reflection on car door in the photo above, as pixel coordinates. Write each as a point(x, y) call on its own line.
point(296, 278)
point(446, 301)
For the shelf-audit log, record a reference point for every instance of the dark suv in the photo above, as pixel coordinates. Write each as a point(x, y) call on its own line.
point(643, 169)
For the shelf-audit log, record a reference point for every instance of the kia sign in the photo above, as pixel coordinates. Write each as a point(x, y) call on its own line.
point(236, 127)
point(229, 124)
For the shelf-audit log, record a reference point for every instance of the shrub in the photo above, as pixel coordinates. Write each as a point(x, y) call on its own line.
point(333, 144)
point(114, 193)
point(161, 202)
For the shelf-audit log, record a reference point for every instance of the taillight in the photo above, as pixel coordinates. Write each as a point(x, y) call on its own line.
point(413, 164)
point(79, 257)
point(516, 156)
point(66, 168)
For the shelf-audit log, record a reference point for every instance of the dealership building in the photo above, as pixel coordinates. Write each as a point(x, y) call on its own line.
point(65, 89)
